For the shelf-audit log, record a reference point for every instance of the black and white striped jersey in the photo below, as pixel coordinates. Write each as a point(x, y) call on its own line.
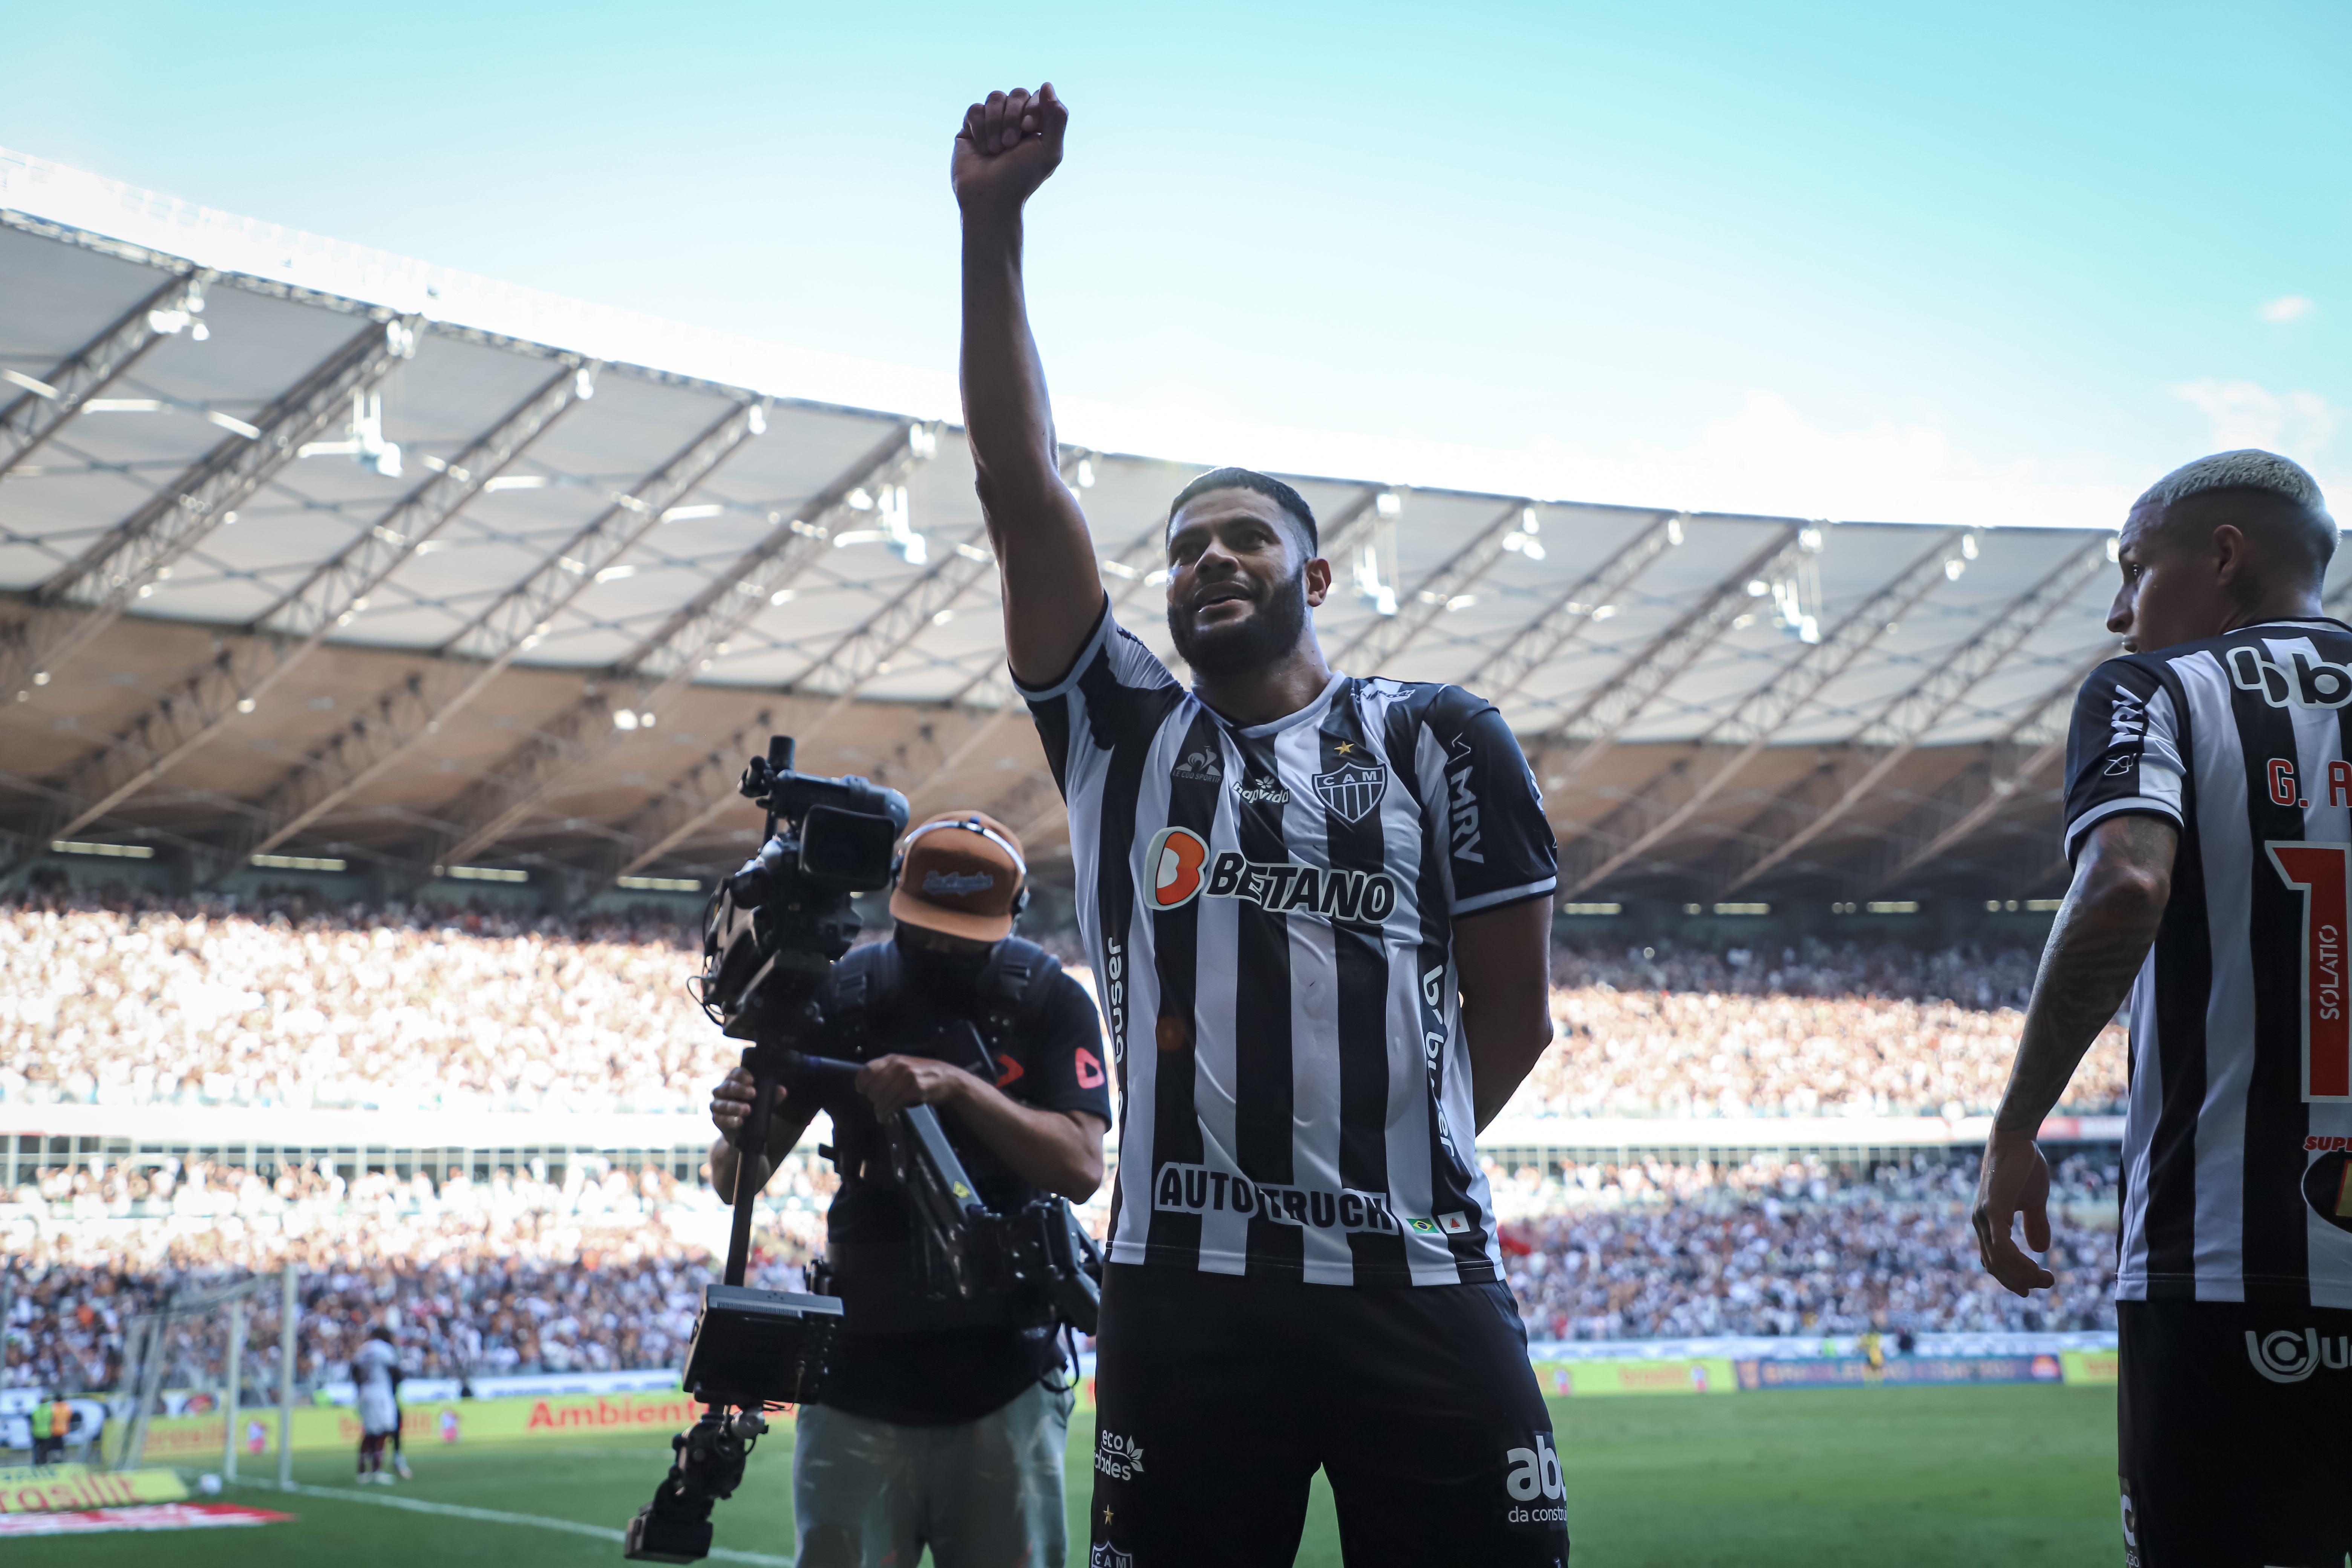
point(2237, 1181)
point(1270, 911)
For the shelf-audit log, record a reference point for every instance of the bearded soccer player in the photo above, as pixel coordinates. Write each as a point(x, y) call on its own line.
point(2209, 814)
point(1318, 907)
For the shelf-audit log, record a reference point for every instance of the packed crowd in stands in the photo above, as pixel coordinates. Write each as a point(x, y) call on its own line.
point(1819, 1032)
point(131, 999)
point(596, 1272)
point(525, 1276)
point(142, 1001)
point(1782, 1248)
point(145, 1001)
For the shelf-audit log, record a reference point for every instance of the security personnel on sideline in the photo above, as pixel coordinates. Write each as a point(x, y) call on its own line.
point(52, 1423)
point(939, 1425)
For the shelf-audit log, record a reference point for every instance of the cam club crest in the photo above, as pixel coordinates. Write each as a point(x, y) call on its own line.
point(1353, 791)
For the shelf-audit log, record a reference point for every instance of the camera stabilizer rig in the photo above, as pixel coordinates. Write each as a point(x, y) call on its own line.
point(770, 935)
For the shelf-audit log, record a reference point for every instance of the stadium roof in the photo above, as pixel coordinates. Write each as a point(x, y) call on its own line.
point(310, 551)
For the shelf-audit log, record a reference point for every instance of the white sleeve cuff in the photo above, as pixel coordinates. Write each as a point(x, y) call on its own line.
point(1508, 895)
point(2146, 805)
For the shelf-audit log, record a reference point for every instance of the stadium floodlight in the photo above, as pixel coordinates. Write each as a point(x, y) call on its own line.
point(1522, 540)
point(1381, 596)
point(60, 391)
point(171, 320)
point(897, 530)
point(363, 437)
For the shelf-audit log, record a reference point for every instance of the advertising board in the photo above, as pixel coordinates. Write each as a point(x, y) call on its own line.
point(441, 1423)
point(1586, 1379)
point(1846, 1371)
point(52, 1488)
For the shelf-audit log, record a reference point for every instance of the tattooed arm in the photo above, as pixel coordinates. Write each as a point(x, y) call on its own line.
point(2122, 881)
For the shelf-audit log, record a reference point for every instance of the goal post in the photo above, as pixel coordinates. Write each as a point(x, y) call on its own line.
point(185, 1325)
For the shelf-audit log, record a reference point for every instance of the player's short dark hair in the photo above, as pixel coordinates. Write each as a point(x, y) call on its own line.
point(1274, 489)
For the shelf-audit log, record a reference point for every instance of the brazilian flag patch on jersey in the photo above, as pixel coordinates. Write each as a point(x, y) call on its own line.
point(1424, 1224)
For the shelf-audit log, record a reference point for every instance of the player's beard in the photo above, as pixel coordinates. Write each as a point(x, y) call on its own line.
point(1259, 640)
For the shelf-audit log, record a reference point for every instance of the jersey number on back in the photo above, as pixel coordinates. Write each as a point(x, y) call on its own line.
point(2319, 872)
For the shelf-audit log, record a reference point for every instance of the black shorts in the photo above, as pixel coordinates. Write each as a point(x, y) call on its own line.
point(2235, 1434)
point(1219, 1397)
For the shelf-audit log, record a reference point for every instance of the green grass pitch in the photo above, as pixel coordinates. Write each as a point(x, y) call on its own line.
point(2022, 1476)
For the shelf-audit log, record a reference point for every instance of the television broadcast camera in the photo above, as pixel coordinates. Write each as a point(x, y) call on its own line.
point(771, 934)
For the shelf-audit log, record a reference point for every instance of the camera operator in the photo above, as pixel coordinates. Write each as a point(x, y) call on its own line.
point(940, 1423)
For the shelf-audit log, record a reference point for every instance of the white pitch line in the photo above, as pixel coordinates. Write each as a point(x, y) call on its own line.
point(494, 1516)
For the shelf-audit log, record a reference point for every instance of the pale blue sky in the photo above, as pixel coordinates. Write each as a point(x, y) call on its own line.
point(1843, 260)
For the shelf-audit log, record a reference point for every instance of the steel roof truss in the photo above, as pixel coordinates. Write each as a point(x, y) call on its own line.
point(1590, 729)
point(80, 601)
point(46, 409)
point(1905, 720)
point(1663, 803)
point(694, 798)
point(1504, 673)
point(406, 715)
point(889, 631)
point(1370, 649)
point(211, 699)
point(692, 641)
point(1968, 802)
point(338, 589)
point(517, 620)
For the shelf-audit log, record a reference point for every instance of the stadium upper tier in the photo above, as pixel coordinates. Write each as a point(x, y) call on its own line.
point(315, 554)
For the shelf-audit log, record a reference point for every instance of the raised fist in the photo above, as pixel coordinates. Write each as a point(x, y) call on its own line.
point(1007, 147)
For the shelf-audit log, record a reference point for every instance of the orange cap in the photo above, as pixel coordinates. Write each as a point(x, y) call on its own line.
point(960, 872)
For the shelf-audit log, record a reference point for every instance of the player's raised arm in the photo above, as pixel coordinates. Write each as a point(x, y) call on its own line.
point(1053, 592)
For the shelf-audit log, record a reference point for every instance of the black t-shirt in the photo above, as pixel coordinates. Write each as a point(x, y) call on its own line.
point(946, 1376)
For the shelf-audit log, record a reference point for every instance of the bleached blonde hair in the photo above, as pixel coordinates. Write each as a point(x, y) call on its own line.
point(2247, 468)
